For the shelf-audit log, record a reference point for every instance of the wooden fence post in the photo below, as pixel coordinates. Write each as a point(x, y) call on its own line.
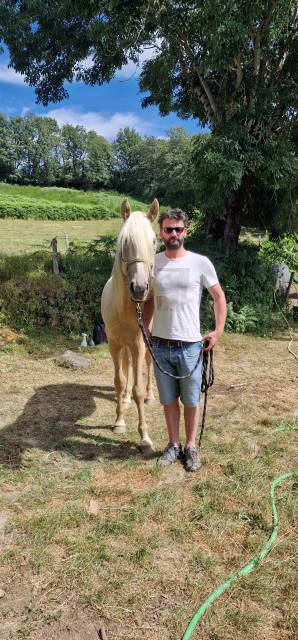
point(67, 244)
point(55, 257)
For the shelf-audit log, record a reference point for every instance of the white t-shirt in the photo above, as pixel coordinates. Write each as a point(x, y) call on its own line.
point(177, 286)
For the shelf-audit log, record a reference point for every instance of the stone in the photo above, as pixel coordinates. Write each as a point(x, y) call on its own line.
point(93, 507)
point(73, 360)
point(3, 520)
point(281, 277)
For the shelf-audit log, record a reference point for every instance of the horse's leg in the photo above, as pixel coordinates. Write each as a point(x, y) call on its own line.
point(138, 354)
point(149, 387)
point(127, 370)
point(119, 382)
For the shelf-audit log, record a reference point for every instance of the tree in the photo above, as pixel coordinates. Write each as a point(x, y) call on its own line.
point(40, 138)
point(165, 169)
point(127, 149)
point(5, 148)
point(180, 169)
point(33, 149)
point(74, 155)
point(99, 161)
point(232, 65)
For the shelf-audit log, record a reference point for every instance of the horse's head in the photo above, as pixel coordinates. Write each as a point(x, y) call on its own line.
point(136, 249)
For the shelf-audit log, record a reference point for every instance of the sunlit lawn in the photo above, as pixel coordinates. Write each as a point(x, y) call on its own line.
point(19, 236)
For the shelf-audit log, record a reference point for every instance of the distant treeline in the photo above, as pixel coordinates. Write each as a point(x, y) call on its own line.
point(35, 150)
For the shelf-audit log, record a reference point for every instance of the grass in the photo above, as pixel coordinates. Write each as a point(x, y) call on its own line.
point(96, 534)
point(53, 203)
point(24, 236)
point(111, 199)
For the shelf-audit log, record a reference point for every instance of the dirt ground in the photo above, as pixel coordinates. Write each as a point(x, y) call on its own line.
point(66, 478)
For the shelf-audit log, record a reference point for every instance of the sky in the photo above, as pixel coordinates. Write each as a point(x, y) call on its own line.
point(105, 109)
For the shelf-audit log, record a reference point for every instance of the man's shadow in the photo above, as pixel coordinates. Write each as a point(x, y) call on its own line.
point(50, 421)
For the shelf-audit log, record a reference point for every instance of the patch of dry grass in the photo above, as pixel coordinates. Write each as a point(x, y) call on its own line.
point(94, 533)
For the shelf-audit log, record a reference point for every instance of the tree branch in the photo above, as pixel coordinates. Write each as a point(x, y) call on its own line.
point(197, 89)
point(239, 72)
point(203, 81)
point(259, 39)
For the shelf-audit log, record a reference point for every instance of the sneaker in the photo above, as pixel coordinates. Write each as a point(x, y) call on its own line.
point(192, 461)
point(170, 454)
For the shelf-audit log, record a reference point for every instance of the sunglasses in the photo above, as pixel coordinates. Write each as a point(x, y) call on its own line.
point(169, 230)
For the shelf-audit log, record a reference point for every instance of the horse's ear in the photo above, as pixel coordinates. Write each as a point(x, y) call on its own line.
point(125, 209)
point(154, 210)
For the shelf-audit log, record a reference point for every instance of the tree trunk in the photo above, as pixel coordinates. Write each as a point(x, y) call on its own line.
point(236, 210)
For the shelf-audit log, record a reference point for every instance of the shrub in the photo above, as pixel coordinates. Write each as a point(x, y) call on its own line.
point(34, 297)
point(280, 250)
point(23, 208)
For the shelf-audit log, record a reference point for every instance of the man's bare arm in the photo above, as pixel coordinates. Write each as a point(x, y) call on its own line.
point(220, 313)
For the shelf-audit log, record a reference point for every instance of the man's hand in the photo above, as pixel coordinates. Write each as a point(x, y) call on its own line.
point(212, 337)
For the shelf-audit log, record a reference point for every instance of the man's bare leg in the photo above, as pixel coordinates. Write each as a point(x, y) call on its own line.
point(191, 418)
point(172, 416)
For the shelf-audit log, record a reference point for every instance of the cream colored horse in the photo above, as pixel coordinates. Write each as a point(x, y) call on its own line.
point(130, 282)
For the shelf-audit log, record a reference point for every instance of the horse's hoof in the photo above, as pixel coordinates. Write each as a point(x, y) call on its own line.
point(149, 401)
point(119, 427)
point(147, 448)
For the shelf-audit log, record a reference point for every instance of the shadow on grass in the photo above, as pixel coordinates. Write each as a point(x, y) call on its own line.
point(50, 421)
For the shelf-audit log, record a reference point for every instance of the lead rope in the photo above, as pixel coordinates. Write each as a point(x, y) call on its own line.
point(207, 368)
point(207, 381)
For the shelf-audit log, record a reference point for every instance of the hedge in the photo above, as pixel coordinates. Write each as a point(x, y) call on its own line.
point(24, 208)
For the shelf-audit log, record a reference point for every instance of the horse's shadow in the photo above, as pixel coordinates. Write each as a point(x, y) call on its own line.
point(51, 421)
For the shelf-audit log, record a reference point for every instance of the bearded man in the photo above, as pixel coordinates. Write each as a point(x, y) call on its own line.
point(174, 304)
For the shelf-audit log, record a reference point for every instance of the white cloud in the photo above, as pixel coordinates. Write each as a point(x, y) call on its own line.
point(7, 74)
point(133, 70)
point(130, 70)
point(107, 126)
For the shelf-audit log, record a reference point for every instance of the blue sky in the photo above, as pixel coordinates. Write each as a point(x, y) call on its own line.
point(106, 109)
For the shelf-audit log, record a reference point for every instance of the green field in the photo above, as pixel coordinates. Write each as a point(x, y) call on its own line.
point(31, 234)
point(23, 236)
point(57, 203)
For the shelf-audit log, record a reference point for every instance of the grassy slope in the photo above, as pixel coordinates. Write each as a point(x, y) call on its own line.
point(111, 199)
point(22, 236)
point(94, 533)
point(60, 204)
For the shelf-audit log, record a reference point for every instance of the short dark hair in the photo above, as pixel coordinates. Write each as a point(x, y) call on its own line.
point(173, 214)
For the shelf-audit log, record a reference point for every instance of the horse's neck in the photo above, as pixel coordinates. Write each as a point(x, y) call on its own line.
point(123, 305)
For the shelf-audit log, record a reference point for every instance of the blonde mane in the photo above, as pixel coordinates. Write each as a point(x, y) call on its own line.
point(134, 241)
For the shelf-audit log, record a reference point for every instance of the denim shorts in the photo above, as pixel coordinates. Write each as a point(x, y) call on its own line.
point(178, 360)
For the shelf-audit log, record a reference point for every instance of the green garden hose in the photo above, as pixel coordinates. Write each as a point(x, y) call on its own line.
point(244, 571)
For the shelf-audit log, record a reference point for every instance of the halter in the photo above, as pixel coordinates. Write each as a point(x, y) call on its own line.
point(133, 261)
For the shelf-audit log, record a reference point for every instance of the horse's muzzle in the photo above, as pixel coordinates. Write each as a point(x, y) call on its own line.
point(138, 293)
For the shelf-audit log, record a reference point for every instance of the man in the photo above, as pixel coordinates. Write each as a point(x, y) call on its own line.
point(180, 276)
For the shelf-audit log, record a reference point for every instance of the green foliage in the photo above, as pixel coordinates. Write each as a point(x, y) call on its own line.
point(22, 207)
point(233, 66)
point(55, 203)
point(35, 150)
point(244, 321)
point(155, 168)
point(280, 250)
point(32, 297)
